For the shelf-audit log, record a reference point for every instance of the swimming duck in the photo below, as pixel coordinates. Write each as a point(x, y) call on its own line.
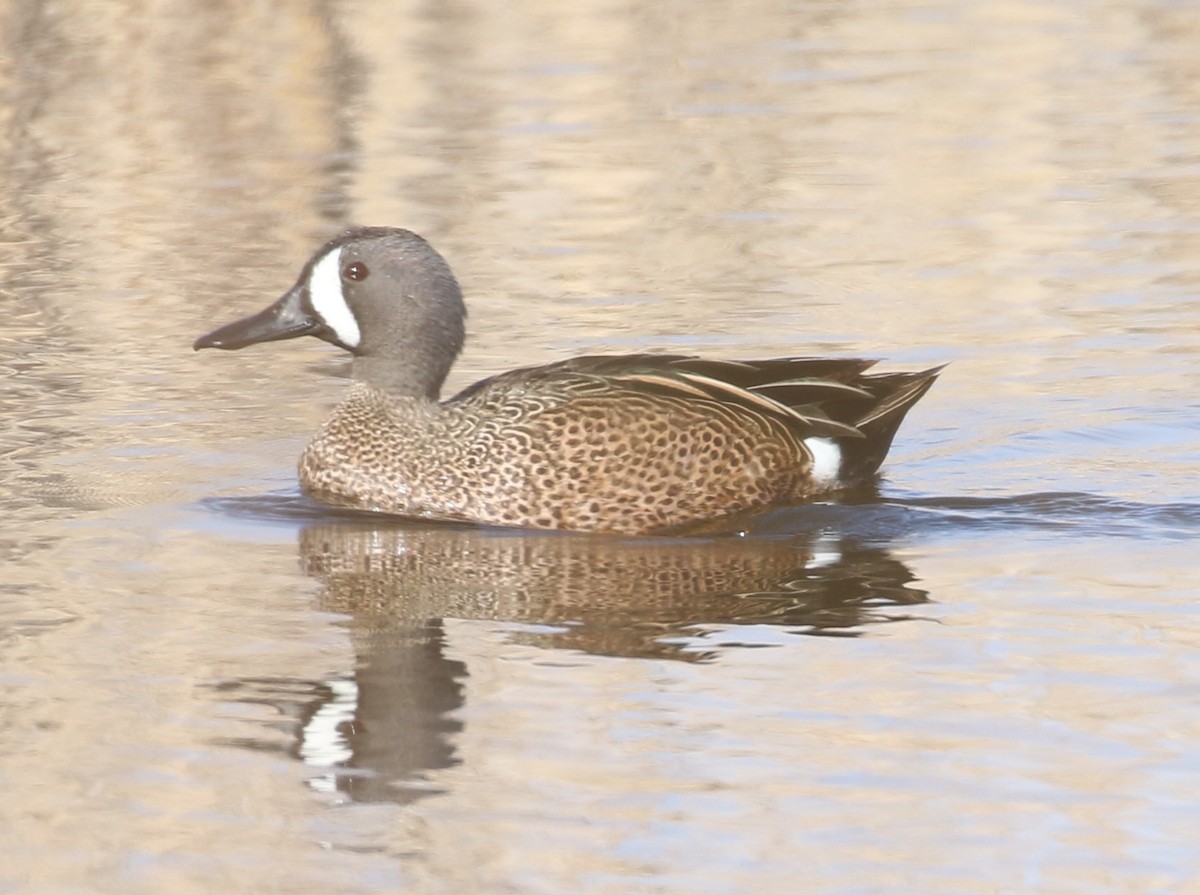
point(633, 444)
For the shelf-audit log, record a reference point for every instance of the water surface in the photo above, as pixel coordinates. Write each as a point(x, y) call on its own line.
point(982, 677)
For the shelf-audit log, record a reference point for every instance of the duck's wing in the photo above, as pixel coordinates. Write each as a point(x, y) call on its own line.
point(682, 378)
point(814, 397)
point(829, 398)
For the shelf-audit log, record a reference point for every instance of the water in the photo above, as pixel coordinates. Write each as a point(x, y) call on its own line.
point(981, 678)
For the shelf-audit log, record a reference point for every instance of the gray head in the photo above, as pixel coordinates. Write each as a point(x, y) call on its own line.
point(383, 294)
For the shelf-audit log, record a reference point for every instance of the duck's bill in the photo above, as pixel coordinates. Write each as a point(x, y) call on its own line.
point(286, 319)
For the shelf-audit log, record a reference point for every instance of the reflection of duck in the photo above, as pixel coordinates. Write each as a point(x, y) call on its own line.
point(372, 735)
point(613, 597)
point(632, 444)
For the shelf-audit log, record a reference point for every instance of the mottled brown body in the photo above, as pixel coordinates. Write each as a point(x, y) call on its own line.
point(601, 444)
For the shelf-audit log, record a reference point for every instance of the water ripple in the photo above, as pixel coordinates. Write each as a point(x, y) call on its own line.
point(877, 521)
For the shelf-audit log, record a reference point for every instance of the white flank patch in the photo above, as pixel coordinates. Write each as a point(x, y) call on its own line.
point(827, 460)
point(328, 302)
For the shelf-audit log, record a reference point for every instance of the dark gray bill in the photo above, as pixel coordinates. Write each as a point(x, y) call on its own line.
point(286, 319)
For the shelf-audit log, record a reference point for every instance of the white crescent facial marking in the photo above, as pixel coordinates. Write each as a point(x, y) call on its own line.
point(827, 460)
point(328, 302)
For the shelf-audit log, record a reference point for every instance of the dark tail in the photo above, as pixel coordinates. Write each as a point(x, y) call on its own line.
point(895, 394)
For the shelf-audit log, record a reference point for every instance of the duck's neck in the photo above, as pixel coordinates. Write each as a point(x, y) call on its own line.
point(420, 378)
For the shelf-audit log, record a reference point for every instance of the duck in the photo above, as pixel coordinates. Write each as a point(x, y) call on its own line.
point(632, 444)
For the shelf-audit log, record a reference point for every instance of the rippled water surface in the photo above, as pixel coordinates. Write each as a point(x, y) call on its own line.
point(982, 678)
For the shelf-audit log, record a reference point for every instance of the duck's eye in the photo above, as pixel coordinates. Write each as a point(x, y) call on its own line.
point(356, 271)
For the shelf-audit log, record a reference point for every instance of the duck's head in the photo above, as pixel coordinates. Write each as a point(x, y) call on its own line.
point(381, 293)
